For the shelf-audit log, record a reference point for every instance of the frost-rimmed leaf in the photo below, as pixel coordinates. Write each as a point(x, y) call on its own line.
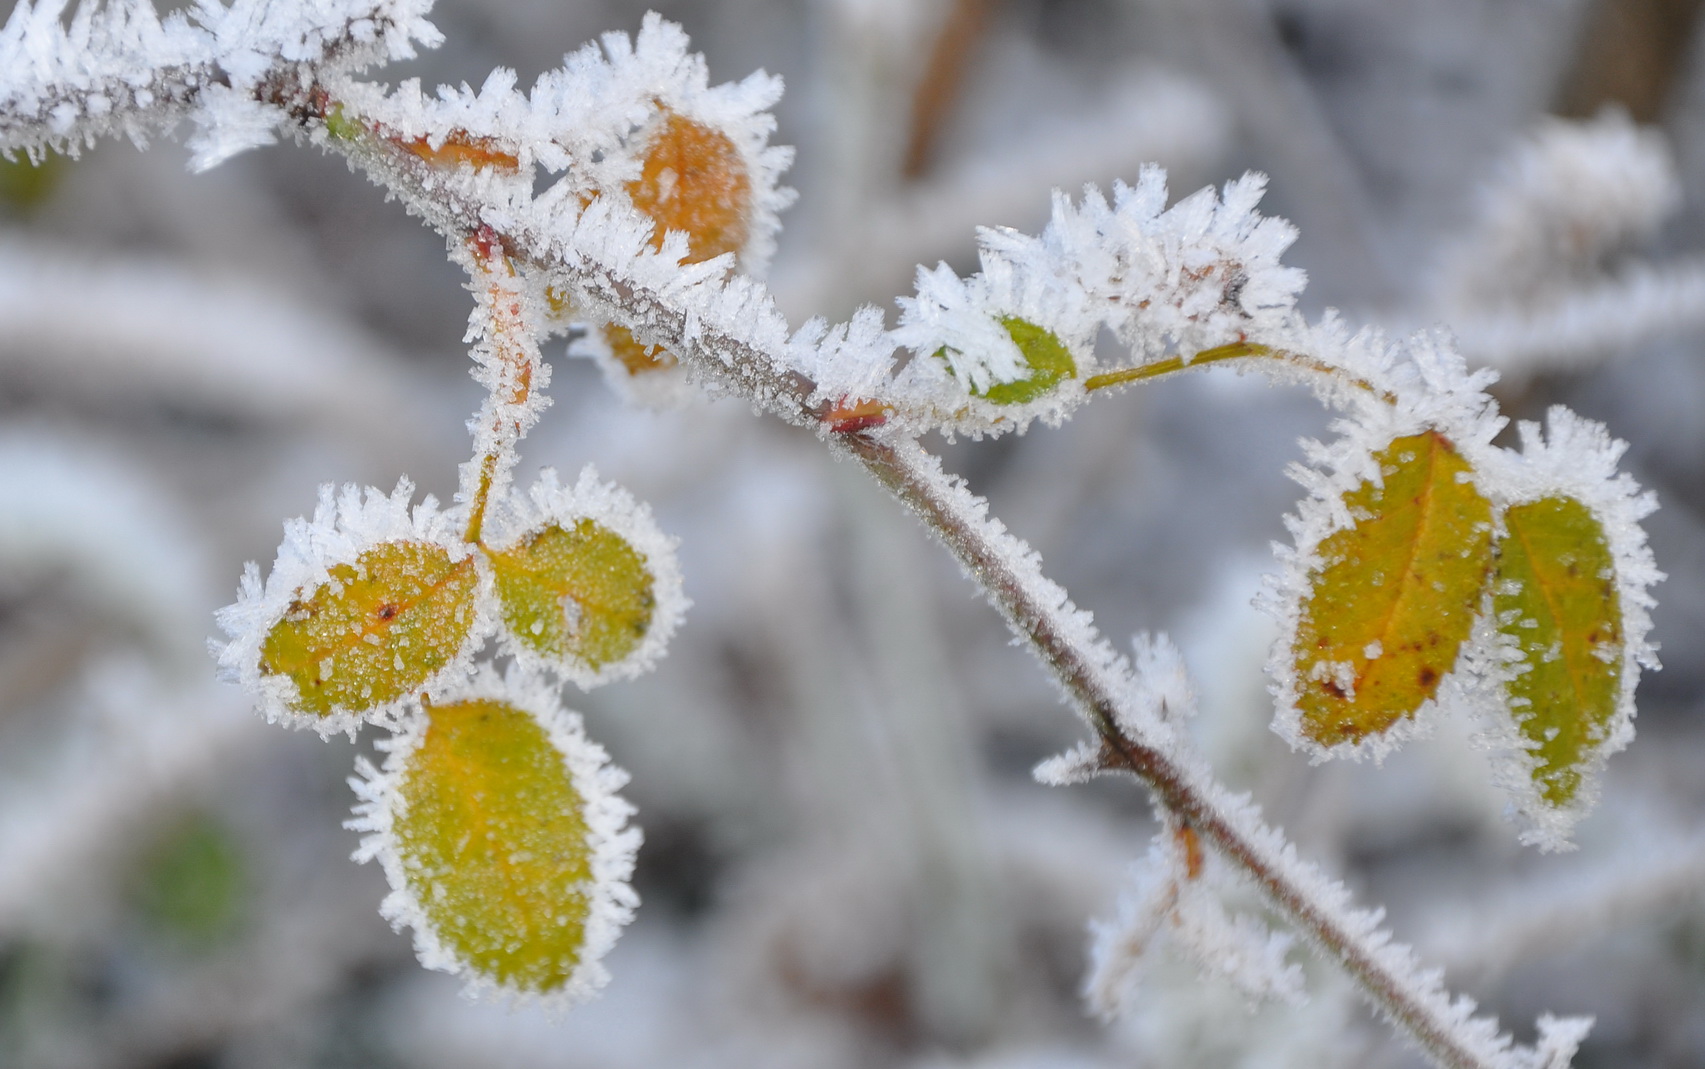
point(1394, 596)
point(505, 843)
point(1568, 504)
point(315, 561)
point(1363, 654)
point(588, 586)
point(999, 349)
point(1554, 595)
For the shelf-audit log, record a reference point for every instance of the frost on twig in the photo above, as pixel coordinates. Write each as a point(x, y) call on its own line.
point(118, 68)
point(1179, 893)
point(1195, 283)
point(1176, 901)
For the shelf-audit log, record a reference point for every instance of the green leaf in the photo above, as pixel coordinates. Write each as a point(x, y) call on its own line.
point(581, 594)
point(1555, 594)
point(494, 844)
point(1048, 358)
point(1395, 596)
point(377, 631)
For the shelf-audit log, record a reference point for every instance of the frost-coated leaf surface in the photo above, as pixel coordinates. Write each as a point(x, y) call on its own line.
point(495, 845)
point(1555, 595)
point(377, 630)
point(1047, 357)
point(581, 594)
point(1395, 595)
point(693, 179)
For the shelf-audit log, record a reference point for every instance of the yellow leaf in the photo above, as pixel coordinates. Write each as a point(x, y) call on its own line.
point(376, 631)
point(1395, 596)
point(494, 845)
point(1555, 594)
point(583, 595)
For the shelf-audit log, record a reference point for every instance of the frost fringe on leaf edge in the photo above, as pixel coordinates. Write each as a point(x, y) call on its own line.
point(347, 522)
point(610, 900)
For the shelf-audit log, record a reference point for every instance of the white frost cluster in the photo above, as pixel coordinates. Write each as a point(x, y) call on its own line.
point(612, 507)
point(1200, 274)
point(1569, 195)
point(120, 69)
point(610, 899)
point(346, 523)
point(1170, 903)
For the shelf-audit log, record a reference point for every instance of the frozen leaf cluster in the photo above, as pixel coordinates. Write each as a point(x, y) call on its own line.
point(373, 606)
point(1432, 568)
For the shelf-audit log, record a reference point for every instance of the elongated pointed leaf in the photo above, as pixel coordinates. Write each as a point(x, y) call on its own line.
point(1396, 595)
point(582, 595)
point(377, 631)
point(495, 845)
point(1555, 594)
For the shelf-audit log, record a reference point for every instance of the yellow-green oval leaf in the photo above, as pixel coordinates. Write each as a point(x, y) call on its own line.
point(1555, 594)
point(1396, 594)
point(494, 845)
point(377, 631)
point(1049, 360)
point(582, 594)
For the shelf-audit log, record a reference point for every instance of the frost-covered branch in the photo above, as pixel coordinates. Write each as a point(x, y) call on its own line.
point(1198, 275)
point(1428, 568)
point(119, 68)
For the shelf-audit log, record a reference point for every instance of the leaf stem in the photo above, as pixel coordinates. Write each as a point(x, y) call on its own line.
point(1238, 350)
point(510, 367)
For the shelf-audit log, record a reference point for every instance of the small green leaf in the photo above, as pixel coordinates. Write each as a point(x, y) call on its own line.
point(377, 631)
point(1044, 353)
point(1049, 360)
point(581, 594)
point(1554, 593)
point(495, 846)
point(1396, 594)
